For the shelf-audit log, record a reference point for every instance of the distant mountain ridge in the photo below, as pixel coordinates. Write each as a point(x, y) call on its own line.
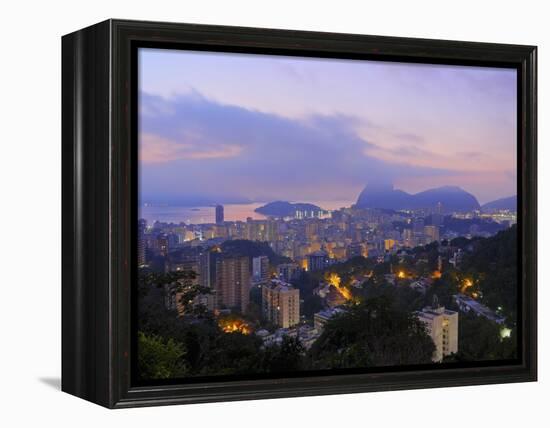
point(451, 198)
point(509, 203)
point(286, 209)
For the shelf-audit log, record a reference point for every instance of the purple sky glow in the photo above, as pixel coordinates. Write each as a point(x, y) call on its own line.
point(219, 127)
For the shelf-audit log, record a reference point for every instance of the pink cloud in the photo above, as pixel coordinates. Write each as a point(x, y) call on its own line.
point(157, 149)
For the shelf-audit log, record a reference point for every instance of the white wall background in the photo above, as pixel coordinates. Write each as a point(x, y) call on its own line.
point(30, 210)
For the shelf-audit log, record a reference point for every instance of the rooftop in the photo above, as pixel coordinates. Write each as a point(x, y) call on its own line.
point(318, 254)
point(277, 284)
point(329, 313)
point(431, 313)
point(478, 307)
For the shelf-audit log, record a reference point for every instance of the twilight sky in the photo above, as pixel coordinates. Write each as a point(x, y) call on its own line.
point(222, 128)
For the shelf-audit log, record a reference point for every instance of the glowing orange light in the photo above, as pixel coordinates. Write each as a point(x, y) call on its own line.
point(436, 274)
point(401, 274)
point(467, 283)
point(334, 279)
point(234, 325)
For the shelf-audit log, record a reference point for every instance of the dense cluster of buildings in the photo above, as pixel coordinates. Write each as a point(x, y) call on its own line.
point(310, 243)
point(305, 332)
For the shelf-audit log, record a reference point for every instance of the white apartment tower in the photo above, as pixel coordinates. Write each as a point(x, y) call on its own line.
point(442, 326)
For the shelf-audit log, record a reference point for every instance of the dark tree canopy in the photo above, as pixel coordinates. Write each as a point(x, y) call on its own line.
point(160, 358)
point(373, 333)
point(243, 247)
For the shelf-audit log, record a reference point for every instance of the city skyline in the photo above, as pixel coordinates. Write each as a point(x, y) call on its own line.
point(239, 137)
point(301, 214)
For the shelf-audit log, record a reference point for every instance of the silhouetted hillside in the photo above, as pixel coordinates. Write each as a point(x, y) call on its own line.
point(509, 203)
point(451, 198)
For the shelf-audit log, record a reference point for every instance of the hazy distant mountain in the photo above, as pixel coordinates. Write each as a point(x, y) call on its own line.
point(286, 209)
point(509, 203)
point(452, 198)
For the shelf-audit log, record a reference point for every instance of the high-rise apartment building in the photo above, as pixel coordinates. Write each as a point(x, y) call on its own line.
point(142, 225)
point(356, 250)
point(232, 282)
point(207, 267)
point(408, 238)
point(288, 271)
point(311, 230)
point(162, 244)
point(260, 268)
point(389, 244)
point(219, 214)
point(317, 260)
point(442, 326)
point(431, 233)
point(256, 230)
point(418, 231)
point(437, 216)
point(280, 303)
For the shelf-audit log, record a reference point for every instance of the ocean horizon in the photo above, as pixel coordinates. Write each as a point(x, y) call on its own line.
point(206, 214)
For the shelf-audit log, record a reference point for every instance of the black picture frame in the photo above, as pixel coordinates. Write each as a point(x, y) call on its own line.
point(99, 161)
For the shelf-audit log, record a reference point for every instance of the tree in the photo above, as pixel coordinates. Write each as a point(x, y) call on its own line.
point(496, 257)
point(230, 353)
point(160, 358)
point(403, 297)
point(246, 248)
point(312, 305)
point(148, 279)
point(286, 357)
point(372, 333)
point(480, 340)
point(181, 282)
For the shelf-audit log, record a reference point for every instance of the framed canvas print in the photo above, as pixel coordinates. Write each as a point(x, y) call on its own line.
point(253, 213)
